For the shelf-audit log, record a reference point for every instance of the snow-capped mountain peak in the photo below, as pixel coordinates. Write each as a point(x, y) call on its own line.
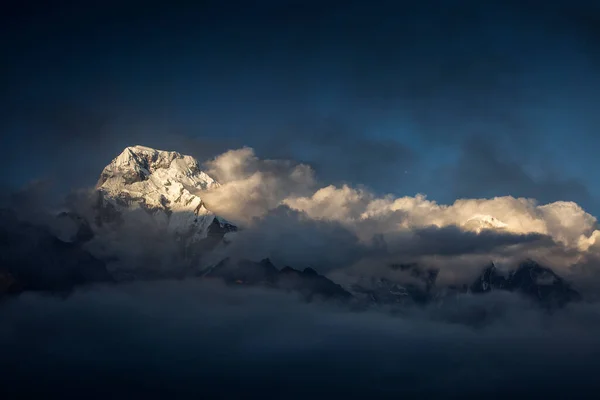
point(138, 163)
point(479, 222)
point(164, 183)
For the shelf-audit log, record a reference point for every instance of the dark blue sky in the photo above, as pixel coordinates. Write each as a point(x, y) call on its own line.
point(448, 98)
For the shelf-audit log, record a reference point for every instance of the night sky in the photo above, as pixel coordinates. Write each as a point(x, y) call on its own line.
point(447, 98)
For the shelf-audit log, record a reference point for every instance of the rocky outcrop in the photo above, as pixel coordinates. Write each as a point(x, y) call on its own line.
point(531, 280)
point(308, 283)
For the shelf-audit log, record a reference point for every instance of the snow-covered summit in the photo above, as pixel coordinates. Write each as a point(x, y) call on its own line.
point(164, 183)
point(137, 164)
point(479, 222)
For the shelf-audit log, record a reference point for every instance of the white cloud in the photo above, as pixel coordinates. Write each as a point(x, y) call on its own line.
point(252, 189)
point(565, 222)
point(251, 186)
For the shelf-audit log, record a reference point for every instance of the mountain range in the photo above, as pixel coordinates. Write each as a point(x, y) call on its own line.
point(164, 189)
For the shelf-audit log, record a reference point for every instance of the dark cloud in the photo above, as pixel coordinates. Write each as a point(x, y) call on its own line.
point(453, 241)
point(68, 142)
point(345, 152)
point(32, 202)
point(289, 237)
point(483, 171)
point(186, 338)
point(362, 92)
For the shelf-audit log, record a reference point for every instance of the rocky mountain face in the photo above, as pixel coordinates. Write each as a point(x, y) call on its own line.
point(161, 186)
point(166, 185)
point(531, 280)
point(148, 201)
point(308, 283)
point(417, 288)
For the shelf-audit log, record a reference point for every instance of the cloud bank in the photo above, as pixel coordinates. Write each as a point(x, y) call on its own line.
point(187, 338)
point(289, 215)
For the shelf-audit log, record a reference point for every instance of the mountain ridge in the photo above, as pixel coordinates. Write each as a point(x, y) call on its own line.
point(167, 186)
point(157, 174)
